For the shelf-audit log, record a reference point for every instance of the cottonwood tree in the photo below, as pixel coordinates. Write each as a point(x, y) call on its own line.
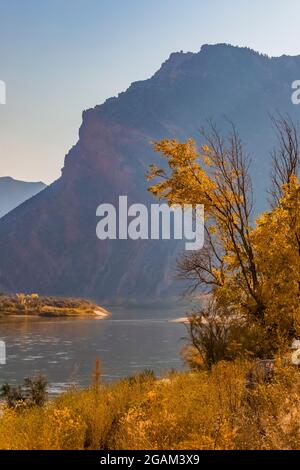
point(217, 176)
point(238, 266)
point(285, 156)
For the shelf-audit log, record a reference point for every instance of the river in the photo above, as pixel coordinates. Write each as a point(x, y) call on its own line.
point(65, 349)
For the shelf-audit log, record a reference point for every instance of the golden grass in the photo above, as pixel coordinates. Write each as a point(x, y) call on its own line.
point(203, 410)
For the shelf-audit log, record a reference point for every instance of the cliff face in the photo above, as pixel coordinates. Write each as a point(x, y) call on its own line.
point(49, 244)
point(14, 192)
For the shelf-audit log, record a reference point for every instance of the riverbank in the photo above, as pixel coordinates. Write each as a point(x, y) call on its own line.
point(48, 306)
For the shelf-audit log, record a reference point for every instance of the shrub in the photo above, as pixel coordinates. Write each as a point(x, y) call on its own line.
point(32, 393)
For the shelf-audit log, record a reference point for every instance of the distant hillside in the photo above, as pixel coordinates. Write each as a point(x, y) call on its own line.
point(48, 244)
point(14, 192)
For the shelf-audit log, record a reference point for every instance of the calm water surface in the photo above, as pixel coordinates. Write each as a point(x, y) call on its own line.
point(65, 350)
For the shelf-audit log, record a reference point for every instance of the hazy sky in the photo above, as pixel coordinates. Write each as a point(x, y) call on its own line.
point(59, 57)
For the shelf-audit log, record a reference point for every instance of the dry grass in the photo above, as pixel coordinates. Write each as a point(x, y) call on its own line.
point(203, 410)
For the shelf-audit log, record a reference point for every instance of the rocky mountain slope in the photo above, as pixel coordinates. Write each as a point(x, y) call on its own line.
point(49, 245)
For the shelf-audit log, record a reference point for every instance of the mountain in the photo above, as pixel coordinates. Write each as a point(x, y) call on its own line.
point(48, 244)
point(14, 192)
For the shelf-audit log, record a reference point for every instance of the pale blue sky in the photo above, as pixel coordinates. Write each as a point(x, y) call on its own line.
point(59, 57)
